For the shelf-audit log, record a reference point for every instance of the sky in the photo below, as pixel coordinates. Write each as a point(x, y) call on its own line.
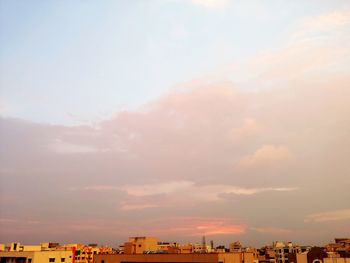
point(174, 119)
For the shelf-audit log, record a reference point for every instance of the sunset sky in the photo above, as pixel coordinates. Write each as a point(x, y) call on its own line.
point(175, 119)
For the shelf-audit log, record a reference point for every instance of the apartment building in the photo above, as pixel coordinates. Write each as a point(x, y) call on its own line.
point(48, 256)
point(175, 258)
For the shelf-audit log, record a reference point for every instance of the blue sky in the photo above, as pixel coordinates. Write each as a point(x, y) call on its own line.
point(69, 62)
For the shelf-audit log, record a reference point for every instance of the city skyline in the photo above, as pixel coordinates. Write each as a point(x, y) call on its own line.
point(174, 118)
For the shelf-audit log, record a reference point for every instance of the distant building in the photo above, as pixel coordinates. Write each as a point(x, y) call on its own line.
point(166, 247)
point(50, 256)
point(341, 248)
point(50, 252)
point(235, 247)
point(313, 255)
point(141, 245)
point(175, 258)
point(266, 255)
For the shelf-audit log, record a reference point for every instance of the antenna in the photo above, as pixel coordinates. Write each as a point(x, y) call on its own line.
point(204, 245)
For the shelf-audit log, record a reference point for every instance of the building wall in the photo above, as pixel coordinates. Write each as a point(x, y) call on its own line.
point(36, 256)
point(336, 260)
point(248, 257)
point(176, 258)
point(301, 257)
point(139, 245)
point(205, 258)
point(60, 256)
point(31, 248)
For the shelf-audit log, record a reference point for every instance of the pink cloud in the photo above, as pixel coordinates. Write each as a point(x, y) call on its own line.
point(246, 131)
point(272, 230)
point(197, 226)
point(267, 155)
point(175, 156)
point(174, 226)
point(170, 194)
point(335, 215)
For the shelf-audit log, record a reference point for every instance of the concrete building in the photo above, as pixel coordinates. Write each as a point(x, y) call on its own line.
point(313, 255)
point(176, 258)
point(166, 246)
point(16, 246)
point(78, 253)
point(235, 247)
point(181, 249)
point(282, 251)
point(341, 248)
point(52, 256)
point(141, 245)
point(336, 260)
point(266, 255)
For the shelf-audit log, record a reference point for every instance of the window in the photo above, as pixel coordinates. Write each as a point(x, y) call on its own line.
point(29, 260)
point(102, 261)
point(51, 259)
point(63, 259)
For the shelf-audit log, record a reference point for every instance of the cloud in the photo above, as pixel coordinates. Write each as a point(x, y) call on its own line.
point(322, 23)
point(314, 49)
point(267, 155)
point(155, 189)
point(284, 120)
point(199, 226)
point(95, 188)
point(62, 147)
point(337, 215)
point(179, 158)
point(272, 230)
point(169, 194)
point(211, 3)
point(179, 227)
point(128, 206)
point(247, 130)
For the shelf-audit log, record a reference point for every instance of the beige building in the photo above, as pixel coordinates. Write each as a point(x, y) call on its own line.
point(140, 245)
point(54, 256)
point(51, 253)
point(175, 258)
point(235, 247)
point(336, 260)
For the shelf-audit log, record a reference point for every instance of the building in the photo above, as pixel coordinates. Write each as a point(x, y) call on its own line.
point(141, 245)
point(313, 255)
point(282, 251)
point(341, 248)
point(51, 252)
point(175, 258)
point(48, 256)
point(336, 260)
point(235, 247)
point(266, 255)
